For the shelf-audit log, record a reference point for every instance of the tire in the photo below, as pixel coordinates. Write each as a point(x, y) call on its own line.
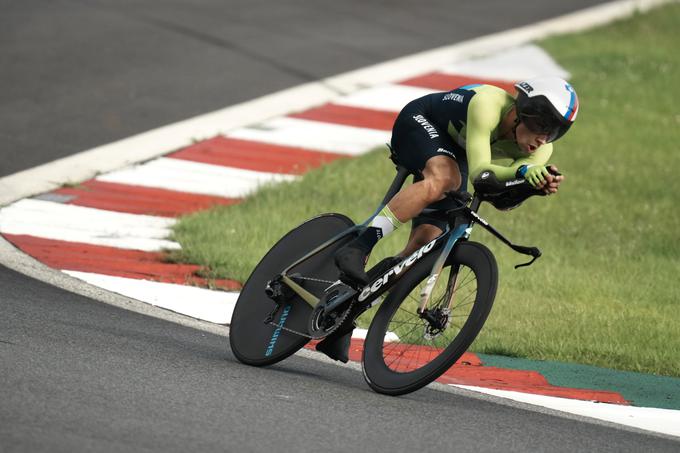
point(252, 340)
point(402, 364)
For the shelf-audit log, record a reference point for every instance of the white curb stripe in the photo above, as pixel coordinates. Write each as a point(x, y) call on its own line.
point(145, 146)
point(207, 305)
point(199, 303)
point(664, 421)
point(360, 334)
point(385, 97)
point(71, 223)
point(424, 62)
point(194, 177)
point(314, 135)
point(515, 64)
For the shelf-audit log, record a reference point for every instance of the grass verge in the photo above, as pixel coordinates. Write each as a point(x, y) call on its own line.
point(605, 293)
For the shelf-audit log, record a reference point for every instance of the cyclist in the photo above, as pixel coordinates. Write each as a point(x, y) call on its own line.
point(445, 137)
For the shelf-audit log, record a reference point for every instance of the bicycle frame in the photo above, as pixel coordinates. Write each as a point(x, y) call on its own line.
point(467, 216)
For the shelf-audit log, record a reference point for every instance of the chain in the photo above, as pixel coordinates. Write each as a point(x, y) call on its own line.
point(305, 335)
point(300, 277)
point(279, 326)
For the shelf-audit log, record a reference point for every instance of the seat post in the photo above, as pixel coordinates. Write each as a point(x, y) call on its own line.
point(397, 182)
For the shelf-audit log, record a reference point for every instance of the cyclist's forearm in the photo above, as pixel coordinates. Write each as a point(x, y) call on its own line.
point(501, 172)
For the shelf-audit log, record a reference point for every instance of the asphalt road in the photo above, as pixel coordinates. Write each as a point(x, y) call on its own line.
point(80, 375)
point(75, 74)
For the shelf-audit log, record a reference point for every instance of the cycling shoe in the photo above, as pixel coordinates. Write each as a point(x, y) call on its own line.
point(336, 347)
point(351, 262)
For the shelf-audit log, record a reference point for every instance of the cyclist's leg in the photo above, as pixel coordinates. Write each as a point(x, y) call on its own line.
point(424, 229)
point(425, 150)
point(420, 235)
point(440, 174)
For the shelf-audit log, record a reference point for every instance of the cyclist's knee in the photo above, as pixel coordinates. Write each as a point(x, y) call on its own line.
point(441, 175)
point(437, 185)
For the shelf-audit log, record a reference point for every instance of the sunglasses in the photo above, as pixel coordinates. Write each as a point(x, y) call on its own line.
point(542, 126)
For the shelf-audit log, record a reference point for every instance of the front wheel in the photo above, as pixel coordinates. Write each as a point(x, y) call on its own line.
point(404, 350)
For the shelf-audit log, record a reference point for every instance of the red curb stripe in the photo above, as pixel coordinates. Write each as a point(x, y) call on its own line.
point(138, 199)
point(446, 82)
point(99, 259)
point(524, 382)
point(349, 116)
point(469, 370)
point(256, 156)
point(356, 349)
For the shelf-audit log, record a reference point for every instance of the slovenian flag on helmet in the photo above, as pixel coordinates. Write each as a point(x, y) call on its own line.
point(572, 109)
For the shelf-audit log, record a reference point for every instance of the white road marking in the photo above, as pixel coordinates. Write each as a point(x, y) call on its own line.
point(199, 303)
point(314, 135)
point(664, 421)
point(194, 177)
point(514, 64)
point(384, 97)
point(147, 145)
point(64, 222)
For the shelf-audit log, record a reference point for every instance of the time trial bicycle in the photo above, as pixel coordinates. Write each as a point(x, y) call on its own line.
point(432, 303)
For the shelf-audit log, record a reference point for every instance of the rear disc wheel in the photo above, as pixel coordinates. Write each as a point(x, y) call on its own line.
point(252, 340)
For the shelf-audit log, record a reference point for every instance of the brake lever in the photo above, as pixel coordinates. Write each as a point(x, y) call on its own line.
point(529, 263)
point(532, 251)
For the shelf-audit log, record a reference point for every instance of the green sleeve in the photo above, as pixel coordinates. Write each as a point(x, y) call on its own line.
point(482, 118)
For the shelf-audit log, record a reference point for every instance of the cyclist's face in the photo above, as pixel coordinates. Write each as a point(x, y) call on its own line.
point(529, 141)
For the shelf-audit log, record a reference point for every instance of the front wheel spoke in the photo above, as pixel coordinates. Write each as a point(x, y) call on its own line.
point(467, 280)
point(410, 312)
point(414, 323)
point(458, 306)
point(419, 342)
point(465, 283)
point(460, 316)
point(410, 331)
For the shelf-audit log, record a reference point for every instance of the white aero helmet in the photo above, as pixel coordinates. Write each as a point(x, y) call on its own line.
point(546, 105)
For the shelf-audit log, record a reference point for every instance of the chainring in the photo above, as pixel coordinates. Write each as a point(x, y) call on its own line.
point(320, 323)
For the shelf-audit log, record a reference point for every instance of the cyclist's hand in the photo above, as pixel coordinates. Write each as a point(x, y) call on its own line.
point(536, 175)
point(552, 181)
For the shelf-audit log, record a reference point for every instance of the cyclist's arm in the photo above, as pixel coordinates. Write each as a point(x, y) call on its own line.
point(539, 157)
point(482, 120)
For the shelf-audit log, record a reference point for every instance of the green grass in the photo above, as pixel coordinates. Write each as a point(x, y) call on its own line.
point(605, 292)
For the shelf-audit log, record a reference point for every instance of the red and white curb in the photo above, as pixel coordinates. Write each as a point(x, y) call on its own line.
point(666, 421)
point(111, 230)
